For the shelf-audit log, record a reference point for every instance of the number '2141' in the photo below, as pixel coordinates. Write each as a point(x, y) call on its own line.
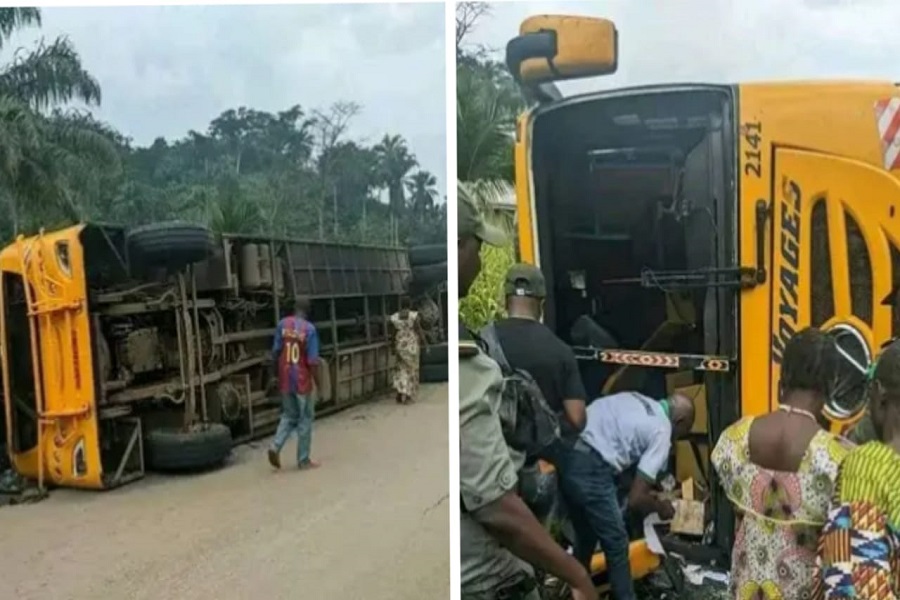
point(752, 132)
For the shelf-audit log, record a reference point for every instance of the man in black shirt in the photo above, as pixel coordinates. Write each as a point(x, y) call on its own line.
point(531, 346)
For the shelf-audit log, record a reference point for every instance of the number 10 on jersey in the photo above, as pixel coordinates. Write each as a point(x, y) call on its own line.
point(293, 352)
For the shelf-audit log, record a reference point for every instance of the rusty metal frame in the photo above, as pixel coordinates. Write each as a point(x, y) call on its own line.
point(373, 279)
point(372, 349)
point(135, 441)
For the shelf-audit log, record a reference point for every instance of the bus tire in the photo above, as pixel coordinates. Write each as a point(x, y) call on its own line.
point(434, 355)
point(176, 450)
point(433, 373)
point(170, 244)
point(429, 254)
point(428, 276)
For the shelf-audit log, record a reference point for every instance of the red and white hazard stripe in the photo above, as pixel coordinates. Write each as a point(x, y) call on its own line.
point(887, 115)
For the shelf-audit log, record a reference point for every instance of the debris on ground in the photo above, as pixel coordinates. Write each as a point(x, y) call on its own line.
point(697, 583)
point(698, 576)
point(15, 489)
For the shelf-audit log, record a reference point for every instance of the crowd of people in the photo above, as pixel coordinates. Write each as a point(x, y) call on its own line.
point(599, 443)
point(818, 515)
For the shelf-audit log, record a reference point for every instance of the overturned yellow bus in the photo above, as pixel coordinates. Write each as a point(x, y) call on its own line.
point(148, 346)
point(701, 225)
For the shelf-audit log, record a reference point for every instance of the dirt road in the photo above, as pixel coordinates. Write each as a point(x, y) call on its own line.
point(372, 523)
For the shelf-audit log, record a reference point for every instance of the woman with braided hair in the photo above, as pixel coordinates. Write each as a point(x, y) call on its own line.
point(779, 472)
point(859, 554)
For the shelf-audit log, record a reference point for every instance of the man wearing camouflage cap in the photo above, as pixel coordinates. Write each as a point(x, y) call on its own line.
point(499, 537)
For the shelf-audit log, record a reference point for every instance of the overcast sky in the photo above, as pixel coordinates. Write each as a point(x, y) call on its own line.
point(728, 40)
point(166, 70)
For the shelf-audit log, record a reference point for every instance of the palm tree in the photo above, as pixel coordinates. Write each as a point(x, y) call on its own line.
point(487, 103)
point(395, 162)
point(76, 156)
point(60, 167)
point(48, 76)
point(422, 191)
point(19, 136)
point(229, 211)
point(43, 156)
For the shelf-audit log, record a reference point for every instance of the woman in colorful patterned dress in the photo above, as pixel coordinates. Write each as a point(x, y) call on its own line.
point(779, 472)
point(407, 336)
point(860, 546)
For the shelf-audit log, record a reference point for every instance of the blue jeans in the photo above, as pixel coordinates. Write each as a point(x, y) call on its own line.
point(297, 413)
point(590, 488)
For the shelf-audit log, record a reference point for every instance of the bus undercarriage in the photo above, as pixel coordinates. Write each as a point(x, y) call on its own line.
point(178, 348)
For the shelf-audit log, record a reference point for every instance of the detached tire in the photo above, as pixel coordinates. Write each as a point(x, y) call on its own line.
point(427, 255)
point(433, 373)
point(434, 355)
point(172, 244)
point(176, 450)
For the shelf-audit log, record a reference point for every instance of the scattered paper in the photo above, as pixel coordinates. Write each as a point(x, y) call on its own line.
point(651, 536)
point(696, 575)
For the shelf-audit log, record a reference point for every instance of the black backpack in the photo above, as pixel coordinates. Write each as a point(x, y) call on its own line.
point(529, 424)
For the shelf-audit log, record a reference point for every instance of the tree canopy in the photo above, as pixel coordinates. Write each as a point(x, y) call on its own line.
point(487, 103)
point(291, 173)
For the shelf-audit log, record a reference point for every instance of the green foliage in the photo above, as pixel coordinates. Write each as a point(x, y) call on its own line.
point(485, 301)
point(289, 173)
point(487, 104)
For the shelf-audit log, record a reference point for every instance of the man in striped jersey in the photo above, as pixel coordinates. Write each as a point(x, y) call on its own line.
point(296, 350)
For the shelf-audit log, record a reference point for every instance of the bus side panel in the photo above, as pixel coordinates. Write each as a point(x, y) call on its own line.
point(754, 161)
point(836, 123)
point(845, 211)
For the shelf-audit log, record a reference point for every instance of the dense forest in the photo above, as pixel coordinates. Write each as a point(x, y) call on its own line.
point(292, 173)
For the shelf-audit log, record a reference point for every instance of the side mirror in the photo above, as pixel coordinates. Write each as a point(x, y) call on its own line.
point(553, 48)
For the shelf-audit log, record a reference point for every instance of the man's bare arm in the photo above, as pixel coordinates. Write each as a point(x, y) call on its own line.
point(575, 399)
point(642, 500)
point(511, 522)
point(576, 413)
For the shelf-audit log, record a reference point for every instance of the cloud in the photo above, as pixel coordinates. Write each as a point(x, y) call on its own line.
point(727, 41)
point(165, 70)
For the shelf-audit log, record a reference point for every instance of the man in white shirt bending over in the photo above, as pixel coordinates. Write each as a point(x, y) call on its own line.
point(622, 430)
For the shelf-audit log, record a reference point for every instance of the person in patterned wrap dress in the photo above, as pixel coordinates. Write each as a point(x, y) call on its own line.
point(779, 472)
point(859, 555)
point(407, 338)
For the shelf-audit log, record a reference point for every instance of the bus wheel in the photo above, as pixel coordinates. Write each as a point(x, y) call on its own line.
point(428, 254)
point(203, 447)
point(174, 245)
point(435, 354)
point(433, 373)
point(428, 276)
